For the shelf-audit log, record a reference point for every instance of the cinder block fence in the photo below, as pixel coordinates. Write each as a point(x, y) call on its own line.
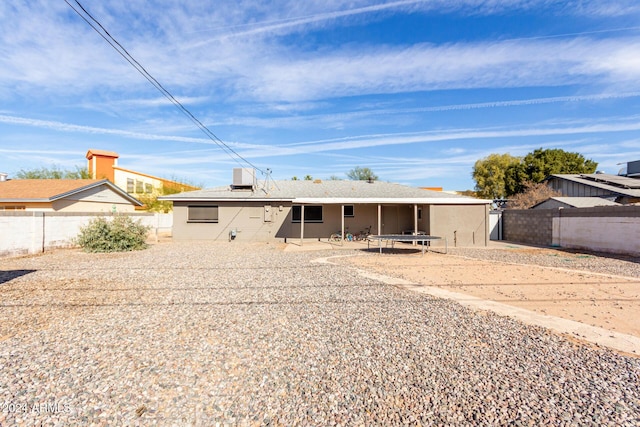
point(613, 229)
point(29, 232)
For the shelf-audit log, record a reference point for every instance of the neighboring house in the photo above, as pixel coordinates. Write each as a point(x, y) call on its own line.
point(104, 165)
point(632, 170)
point(65, 195)
point(315, 209)
point(623, 190)
point(574, 202)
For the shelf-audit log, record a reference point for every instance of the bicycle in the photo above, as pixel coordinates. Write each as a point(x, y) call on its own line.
point(363, 235)
point(337, 237)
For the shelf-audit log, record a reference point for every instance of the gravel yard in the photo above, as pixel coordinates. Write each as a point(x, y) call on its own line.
point(246, 334)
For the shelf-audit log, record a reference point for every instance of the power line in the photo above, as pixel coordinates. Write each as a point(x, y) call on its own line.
point(135, 64)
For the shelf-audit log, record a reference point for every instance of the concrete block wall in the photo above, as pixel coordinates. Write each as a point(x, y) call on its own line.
point(529, 226)
point(612, 229)
point(23, 233)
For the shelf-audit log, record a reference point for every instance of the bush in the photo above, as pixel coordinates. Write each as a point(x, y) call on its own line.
point(120, 234)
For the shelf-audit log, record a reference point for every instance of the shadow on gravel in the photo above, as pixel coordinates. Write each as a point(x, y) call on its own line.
point(8, 275)
point(574, 253)
point(400, 251)
point(584, 253)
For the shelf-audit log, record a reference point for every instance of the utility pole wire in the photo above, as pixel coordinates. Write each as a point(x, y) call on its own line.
point(135, 64)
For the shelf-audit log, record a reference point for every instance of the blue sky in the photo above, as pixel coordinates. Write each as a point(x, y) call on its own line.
point(415, 90)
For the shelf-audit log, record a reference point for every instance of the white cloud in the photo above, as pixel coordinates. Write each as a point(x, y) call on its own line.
point(54, 50)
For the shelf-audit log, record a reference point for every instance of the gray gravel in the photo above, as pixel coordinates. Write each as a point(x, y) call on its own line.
point(237, 334)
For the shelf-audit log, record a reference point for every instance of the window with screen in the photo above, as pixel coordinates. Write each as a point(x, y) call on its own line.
point(311, 214)
point(203, 214)
point(130, 185)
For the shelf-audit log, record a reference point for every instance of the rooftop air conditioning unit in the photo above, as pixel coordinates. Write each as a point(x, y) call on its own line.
point(633, 168)
point(244, 178)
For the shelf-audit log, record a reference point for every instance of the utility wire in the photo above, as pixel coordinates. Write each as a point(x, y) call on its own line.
point(135, 64)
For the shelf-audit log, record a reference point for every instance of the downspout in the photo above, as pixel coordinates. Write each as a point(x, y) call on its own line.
point(379, 219)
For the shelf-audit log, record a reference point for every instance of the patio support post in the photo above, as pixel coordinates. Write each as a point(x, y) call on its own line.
point(342, 227)
point(379, 219)
point(415, 221)
point(301, 224)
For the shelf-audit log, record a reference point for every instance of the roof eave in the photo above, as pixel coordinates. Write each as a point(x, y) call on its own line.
point(25, 200)
point(106, 182)
point(392, 200)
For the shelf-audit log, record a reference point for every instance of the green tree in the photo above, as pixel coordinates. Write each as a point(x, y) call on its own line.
point(151, 202)
point(308, 177)
point(489, 175)
point(541, 163)
point(361, 174)
point(53, 172)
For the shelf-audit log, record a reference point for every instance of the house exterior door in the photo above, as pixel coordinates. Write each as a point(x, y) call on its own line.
point(390, 220)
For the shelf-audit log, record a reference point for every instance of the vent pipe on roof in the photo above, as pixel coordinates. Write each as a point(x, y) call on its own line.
point(3, 177)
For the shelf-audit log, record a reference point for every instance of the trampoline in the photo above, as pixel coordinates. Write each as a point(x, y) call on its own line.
point(405, 238)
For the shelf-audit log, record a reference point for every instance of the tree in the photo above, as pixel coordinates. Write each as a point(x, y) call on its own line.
point(534, 193)
point(361, 174)
point(489, 175)
point(151, 202)
point(541, 163)
point(54, 172)
point(308, 177)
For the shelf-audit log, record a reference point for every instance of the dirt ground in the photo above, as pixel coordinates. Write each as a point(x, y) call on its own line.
point(606, 301)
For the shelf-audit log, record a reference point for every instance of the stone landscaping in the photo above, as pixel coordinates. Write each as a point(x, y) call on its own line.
point(208, 334)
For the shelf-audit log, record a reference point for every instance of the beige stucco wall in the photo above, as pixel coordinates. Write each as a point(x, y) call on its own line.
point(470, 223)
point(66, 205)
point(462, 225)
point(27, 206)
point(247, 218)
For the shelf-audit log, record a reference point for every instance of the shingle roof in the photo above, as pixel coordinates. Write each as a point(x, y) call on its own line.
point(585, 202)
point(331, 191)
point(48, 190)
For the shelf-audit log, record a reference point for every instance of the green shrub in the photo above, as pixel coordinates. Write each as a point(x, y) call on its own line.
point(119, 234)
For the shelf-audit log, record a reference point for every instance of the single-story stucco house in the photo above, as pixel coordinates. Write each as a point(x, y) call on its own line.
point(280, 210)
point(64, 195)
